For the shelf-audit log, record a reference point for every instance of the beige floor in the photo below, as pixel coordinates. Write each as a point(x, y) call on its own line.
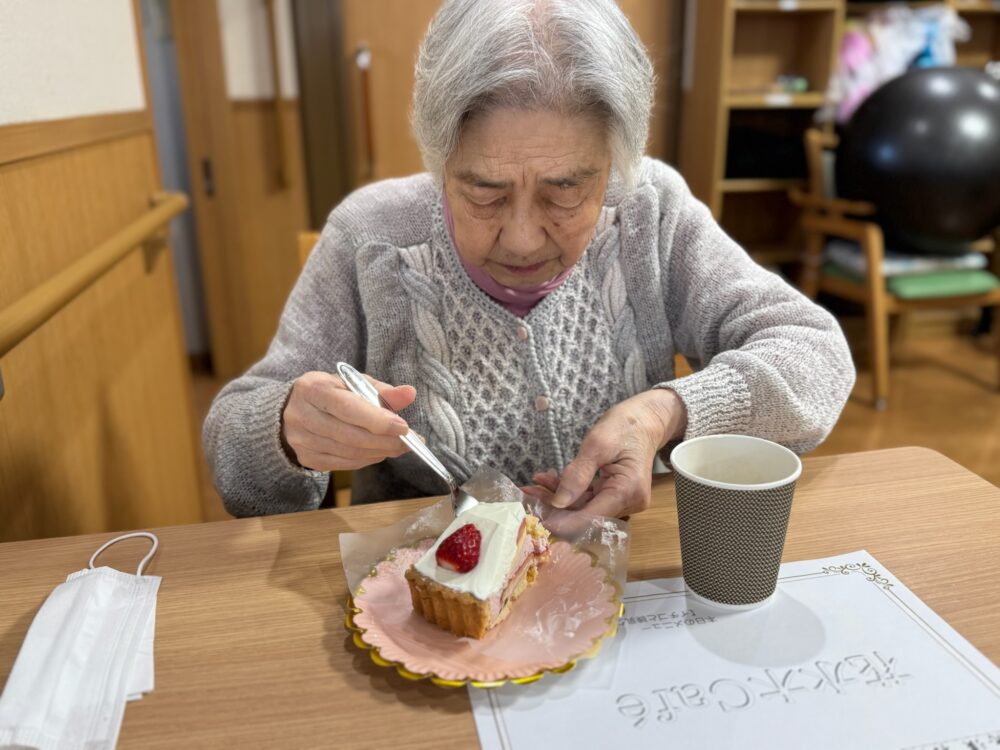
point(944, 396)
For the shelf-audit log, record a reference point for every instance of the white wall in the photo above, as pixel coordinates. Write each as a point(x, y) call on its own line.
point(246, 49)
point(68, 58)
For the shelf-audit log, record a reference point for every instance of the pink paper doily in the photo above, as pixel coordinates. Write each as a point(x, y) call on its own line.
point(564, 616)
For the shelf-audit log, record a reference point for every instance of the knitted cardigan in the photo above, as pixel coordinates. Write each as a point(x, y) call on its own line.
point(384, 290)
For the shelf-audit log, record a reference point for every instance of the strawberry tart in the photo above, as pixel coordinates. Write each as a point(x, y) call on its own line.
point(468, 580)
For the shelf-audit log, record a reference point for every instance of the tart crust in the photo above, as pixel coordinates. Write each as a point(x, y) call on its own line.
point(462, 613)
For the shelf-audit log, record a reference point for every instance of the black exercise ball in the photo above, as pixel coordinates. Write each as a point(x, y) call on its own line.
point(925, 149)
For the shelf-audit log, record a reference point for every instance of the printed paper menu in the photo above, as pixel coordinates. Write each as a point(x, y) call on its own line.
point(845, 656)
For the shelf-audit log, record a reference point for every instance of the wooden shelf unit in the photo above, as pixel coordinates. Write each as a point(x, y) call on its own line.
point(774, 253)
point(786, 6)
point(741, 138)
point(862, 8)
point(983, 17)
point(776, 100)
point(760, 185)
point(732, 115)
point(962, 6)
point(984, 45)
point(976, 7)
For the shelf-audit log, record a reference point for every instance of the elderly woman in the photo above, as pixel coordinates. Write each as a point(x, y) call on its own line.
point(521, 303)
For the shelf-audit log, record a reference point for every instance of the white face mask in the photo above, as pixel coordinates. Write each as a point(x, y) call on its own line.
point(88, 650)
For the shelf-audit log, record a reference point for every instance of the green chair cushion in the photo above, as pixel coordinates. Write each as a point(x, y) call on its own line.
point(942, 284)
point(930, 285)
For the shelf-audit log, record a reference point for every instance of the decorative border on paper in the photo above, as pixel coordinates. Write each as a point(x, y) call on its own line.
point(885, 586)
point(864, 568)
point(983, 741)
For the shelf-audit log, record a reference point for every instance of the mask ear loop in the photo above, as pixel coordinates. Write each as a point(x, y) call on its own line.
point(146, 559)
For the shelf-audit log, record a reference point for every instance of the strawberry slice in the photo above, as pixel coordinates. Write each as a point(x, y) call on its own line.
point(460, 551)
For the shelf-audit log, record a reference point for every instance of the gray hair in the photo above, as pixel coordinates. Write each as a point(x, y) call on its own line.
point(576, 57)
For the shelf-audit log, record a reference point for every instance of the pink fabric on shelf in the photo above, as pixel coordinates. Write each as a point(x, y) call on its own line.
point(517, 301)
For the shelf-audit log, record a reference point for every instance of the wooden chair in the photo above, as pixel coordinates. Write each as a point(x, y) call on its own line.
point(341, 479)
point(824, 216)
point(307, 241)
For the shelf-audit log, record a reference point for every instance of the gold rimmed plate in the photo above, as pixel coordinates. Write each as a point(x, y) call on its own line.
point(565, 616)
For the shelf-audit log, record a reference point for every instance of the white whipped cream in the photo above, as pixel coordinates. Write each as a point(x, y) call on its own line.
point(498, 523)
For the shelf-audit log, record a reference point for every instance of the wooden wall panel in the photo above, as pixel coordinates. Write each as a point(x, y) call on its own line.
point(659, 24)
point(705, 119)
point(271, 216)
point(96, 428)
point(394, 51)
point(247, 224)
point(393, 32)
point(325, 130)
point(29, 139)
point(214, 179)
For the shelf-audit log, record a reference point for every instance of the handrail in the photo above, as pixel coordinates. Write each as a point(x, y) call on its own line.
point(20, 319)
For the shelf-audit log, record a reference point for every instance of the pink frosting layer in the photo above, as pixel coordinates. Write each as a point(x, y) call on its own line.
point(534, 546)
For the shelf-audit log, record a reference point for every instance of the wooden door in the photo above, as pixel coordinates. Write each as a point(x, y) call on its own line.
point(96, 429)
point(245, 156)
point(326, 136)
point(659, 24)
point(377, 57)
point(380, 44)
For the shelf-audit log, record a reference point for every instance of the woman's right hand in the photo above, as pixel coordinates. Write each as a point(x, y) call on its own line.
point(326, 427)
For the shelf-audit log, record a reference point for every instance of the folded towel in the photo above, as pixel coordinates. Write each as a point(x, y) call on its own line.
point(848, 255)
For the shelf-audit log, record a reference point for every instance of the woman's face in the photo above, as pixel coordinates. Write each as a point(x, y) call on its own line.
point(525, 190)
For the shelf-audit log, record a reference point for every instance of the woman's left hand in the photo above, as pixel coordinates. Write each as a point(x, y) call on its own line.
point(612, 473)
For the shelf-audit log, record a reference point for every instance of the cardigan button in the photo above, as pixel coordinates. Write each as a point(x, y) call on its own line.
point(541, 403)
point(522, 333)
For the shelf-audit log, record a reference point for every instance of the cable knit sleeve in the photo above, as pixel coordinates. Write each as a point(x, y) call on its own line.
point(320, 325)
point(769, 362)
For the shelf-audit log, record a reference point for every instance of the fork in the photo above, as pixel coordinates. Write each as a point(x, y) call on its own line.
point(461, 500)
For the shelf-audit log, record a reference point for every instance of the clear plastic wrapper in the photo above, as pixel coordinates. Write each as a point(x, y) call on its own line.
point(607, 539)
point(564, 616)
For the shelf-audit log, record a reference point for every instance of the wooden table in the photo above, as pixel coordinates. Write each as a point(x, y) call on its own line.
point(251, 649)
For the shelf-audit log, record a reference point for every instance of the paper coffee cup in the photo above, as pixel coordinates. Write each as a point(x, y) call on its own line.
point(734, 495)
